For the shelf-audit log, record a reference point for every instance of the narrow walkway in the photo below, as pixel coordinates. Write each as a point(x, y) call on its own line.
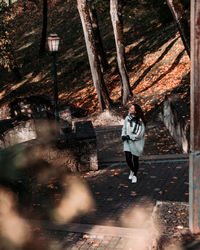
point(114, 193)
point(162, 185)
point(158, 141)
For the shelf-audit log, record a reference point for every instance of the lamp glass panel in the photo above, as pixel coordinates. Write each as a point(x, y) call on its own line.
point(50, 44)
point(53, 42)
point(56, 44)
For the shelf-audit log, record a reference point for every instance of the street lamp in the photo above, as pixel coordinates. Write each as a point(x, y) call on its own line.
point(53, 43)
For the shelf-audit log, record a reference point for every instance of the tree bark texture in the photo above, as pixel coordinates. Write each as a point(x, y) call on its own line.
point(115, 12)
point(44, 28)
point(97, 76)
point(180, 18)
point(194, 169)
point(97, 36)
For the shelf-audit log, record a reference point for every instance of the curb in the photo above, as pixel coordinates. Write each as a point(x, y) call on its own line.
point(91, 229)
point(151, 159)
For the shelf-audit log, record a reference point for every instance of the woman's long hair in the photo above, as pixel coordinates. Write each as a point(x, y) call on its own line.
point(139, 112)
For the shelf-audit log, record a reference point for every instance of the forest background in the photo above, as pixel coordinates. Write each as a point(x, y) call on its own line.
point(157, 63)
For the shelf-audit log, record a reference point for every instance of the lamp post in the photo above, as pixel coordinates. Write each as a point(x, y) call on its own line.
point(53, 43)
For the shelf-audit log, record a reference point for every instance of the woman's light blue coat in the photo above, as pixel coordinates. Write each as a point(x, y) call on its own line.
point(136, 143)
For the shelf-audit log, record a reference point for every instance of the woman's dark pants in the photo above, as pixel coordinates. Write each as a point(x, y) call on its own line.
point(132, 161)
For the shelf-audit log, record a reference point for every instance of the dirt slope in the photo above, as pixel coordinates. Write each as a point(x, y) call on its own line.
point(157, 62)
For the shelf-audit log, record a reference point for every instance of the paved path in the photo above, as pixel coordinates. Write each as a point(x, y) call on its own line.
point(162, 183)
point(113, 192)
point(157, 142)
point(162, 186)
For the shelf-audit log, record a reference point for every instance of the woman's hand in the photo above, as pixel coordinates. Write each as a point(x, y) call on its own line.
point(125, 137)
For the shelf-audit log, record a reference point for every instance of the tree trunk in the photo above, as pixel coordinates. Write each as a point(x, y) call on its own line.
point(97, 77)
point(115, 12)
point(194, 168)
point(44, 28)
point(181, 21)
point(97, 36)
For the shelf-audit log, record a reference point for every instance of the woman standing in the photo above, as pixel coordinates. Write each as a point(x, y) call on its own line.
point(133, 138)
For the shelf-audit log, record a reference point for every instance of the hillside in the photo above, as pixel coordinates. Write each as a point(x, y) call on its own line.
point(157, 62)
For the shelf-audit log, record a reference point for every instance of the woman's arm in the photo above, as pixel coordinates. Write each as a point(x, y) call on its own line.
point(140, 132)
point(124, 128)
